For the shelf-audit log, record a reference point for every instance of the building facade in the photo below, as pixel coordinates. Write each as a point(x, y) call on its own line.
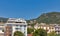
point(48, 28)
point(57, 29)
point(14, 25)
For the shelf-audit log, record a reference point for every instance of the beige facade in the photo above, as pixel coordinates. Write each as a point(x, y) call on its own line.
point(48, 28)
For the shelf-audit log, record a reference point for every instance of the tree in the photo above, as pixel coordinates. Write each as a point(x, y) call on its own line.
point(18, 33)
point(40, 32)
point(52, 33)
point(3, 30)
point(30, 30)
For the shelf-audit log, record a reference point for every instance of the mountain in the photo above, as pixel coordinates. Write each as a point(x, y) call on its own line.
point(48, 18)
point(3, 20)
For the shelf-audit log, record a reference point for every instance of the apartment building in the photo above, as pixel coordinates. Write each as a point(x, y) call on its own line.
point(57, 29)
point(48, 28)
point(12, 25)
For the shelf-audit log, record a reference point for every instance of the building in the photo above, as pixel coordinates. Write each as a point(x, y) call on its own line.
point(48, 28)
point(12, 25)
point(57, 29)
point(37, 26)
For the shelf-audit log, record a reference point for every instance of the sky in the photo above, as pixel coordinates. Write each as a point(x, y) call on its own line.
point(27, 9)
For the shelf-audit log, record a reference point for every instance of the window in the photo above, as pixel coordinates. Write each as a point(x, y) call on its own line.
point(20, 25)
point(10, 22)
point(24, 28)
point(24, 25)
point(16, 25)
point(24, 31)
point(16, 28)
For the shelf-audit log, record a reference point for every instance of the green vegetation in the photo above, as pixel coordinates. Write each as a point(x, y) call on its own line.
point(52, 34)
point(48, 18)
point(18, 33)
point(40, 32)
point(3, 20)
point(58, 35)
point(30, 30)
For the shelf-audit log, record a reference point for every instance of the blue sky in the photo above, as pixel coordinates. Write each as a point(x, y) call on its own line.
point(27, 9)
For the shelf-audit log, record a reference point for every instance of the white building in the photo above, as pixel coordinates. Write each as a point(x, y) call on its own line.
point(57, 29)
point(13, 25)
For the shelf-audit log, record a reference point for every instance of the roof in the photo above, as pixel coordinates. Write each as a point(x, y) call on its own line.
point(16, 20)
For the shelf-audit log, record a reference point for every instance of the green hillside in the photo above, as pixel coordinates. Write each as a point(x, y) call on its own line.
point(49, 18)
point(4, 20)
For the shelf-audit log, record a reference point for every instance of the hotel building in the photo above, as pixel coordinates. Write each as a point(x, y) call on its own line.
point(12, 25)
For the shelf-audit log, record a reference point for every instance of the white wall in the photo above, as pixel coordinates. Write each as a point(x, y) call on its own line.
point(1, 31)
point(22, 29)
